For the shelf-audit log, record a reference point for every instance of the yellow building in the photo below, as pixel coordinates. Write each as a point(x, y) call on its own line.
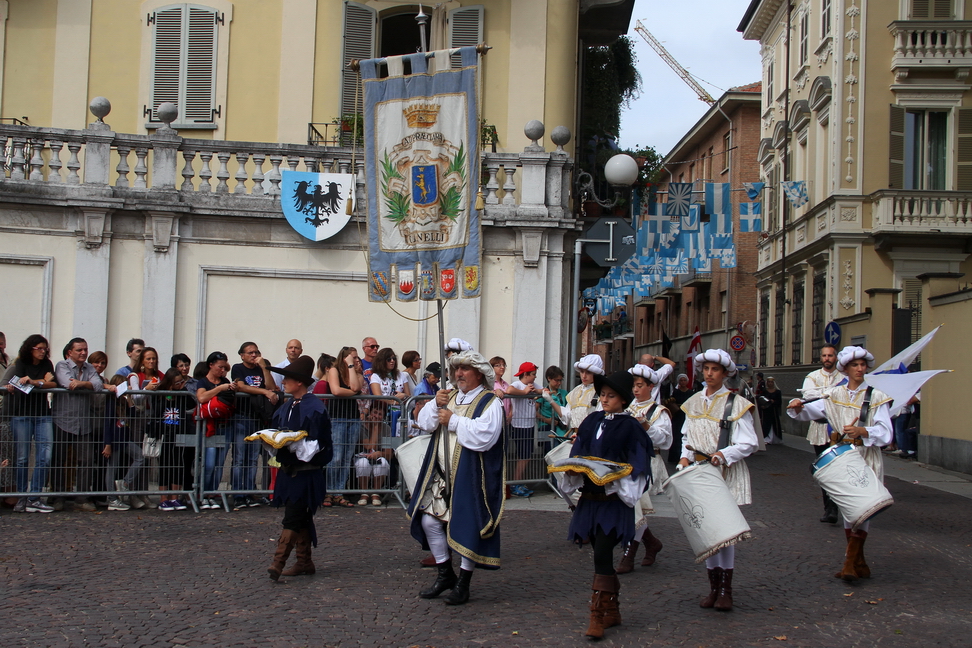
point(868, 102)
point(125, 228)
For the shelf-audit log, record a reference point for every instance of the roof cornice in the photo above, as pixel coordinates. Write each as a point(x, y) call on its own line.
point(757, 18)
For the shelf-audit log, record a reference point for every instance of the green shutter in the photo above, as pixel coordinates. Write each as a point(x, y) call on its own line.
point(896, 148)
point(359, 43)
point(963, 175)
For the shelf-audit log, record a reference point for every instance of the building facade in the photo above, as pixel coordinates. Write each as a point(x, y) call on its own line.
point(129, 227)
point(867, 102)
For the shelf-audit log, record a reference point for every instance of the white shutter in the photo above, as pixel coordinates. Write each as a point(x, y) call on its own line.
point(167, 57)
point(359, 43)
point(200, 76)
point(465, 29)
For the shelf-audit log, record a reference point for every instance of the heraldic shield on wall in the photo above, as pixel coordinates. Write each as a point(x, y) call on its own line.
point(315, 204)
point(422, 165)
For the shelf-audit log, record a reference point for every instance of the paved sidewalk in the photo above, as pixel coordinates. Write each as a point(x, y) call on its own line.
point(131, 579)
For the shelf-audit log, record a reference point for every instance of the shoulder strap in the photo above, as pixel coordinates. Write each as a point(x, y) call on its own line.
point(485, 398)
point(865, 407)
point(725, 425)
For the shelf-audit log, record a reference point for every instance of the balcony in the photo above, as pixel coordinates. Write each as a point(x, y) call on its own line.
point(695, 279)
point(922, 212)
point(931, 46)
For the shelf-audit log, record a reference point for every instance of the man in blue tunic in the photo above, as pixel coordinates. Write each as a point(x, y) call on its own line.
point(459, 503)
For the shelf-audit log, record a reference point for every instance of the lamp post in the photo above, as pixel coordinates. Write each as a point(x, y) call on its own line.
point(620, 171)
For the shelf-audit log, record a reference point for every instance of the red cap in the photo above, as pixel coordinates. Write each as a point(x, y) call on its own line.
point(526, 367)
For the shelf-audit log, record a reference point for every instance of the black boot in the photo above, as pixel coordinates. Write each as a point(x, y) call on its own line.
point(445, 580)
point(460, 593)
point(830, 510)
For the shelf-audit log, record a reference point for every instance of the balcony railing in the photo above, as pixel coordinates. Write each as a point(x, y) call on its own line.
point(922, 211)
point(931, 44)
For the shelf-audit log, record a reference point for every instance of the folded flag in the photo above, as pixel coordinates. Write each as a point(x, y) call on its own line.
point(753, 189)
point(796, 192)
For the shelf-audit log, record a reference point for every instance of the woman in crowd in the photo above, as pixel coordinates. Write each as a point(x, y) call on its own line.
point(145, 376)
point(501, 387)
point(345, 380)
point(122, 447)
point(411, 365)
point(215, 395)
point(321, 386)
point(30, 418)
point(386, 380)
point(173, 418)
point(429, 385)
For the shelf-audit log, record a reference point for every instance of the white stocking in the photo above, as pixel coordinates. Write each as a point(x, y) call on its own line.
point(864, 526)
point(467, 564)
point(436, 537)
point(725, 558)
point(640, 533)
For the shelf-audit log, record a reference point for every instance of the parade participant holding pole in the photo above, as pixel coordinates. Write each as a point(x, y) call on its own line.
point(458, 498)
point(860, 421)
point(300, 486)
point(604, 514)
point(719, 429)
point(656, 420)
point(818, 436)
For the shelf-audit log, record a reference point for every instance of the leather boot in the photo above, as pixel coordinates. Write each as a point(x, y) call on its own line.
point(848, 572)
point(830, 510)
point(445, 580)
point(460, 593)
point(285, 545)
point(595, 627)
point(860, 566)
point(715, 578)
point(652, 546)
point(610, 607)
point(723, 602)
point(304, 565)
point(626, 564)
point(428, 561)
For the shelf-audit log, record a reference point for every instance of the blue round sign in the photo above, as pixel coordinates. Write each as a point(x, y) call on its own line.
point(832, 333)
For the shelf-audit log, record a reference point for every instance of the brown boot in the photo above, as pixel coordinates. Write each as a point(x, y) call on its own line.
point(723, 602)
point(602, 585)
point(848, 572)
point(285, 545)
point(652, 546)
point(626, 564)
point(304, 565)
point(715, 578)
point(609, 600)
point(860, 565)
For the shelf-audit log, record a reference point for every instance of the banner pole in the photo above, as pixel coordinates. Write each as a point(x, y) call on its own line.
point(443, 430)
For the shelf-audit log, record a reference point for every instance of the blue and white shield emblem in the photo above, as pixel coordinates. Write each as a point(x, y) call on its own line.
point(316, 204)
point(425, 186)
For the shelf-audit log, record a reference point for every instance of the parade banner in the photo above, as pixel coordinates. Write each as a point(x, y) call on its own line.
point(422, 168)
point(316, 204)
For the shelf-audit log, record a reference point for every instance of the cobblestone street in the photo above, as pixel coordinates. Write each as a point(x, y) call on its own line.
point(180, 579)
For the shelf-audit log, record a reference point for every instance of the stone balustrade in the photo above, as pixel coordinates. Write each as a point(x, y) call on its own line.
point(931, 44)
point(922, 211)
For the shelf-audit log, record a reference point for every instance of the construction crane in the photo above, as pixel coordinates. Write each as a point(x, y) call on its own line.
point(672, 63)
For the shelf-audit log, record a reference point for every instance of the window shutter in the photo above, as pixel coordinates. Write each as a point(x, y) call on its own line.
point(941, 9)
point(963, 175)
point(359, 43)
point(167, 61)
point(896, 148)
point(200, 85)
point(920, 9)
point(465, 29)
point(911, 298)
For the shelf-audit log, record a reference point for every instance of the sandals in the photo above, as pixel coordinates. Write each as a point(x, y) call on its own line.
point(375, 500)
point(338, 500)
point(363, 500)
point(328, 501)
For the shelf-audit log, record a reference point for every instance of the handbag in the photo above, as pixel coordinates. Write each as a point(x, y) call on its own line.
point(151, 447)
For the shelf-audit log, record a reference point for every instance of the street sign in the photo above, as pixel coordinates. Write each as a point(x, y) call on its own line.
point(737, 342)
point(616, 230)
point(740, 367)
point(832, 333)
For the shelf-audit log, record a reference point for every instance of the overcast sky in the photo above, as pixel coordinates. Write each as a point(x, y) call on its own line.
point(702, 36)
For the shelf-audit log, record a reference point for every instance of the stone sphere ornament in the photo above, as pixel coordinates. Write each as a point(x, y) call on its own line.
point(167, 112)
point(100, 107)
point(560, 136)
point(534, 130)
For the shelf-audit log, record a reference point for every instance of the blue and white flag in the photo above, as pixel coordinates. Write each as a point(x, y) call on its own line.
point(316, 204)
point(657, 227)
point(422, 170)
point(691, 219)
point(753, 189)
point(679, 198)
point(751, 217)
point(796, 192)
point(726, 257)
point(718, 198)
point(720, 223)
point(678, 265)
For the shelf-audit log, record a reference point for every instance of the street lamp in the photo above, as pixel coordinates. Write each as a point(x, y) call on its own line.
point(620, 171)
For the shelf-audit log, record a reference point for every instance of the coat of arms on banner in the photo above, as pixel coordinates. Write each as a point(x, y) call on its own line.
point(315, 204)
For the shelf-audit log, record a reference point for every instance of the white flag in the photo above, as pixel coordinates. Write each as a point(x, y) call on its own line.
point(907, 356)
point(901, 387)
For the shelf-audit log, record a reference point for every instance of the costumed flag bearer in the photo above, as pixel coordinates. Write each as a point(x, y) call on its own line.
point(582, 399)
point(458, 499)
point(843, 408)
point(704, 412)
point(605, 514)
point(303, 432)
point(656, 420)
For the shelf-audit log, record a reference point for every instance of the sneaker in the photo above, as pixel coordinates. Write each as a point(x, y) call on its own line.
point(177, 504)
point(36, 506)
point(263, 501)
point(85, 505)
point(166, 505)
point(117, 505)
point(239, 503)
point(212, 503)
point(21, 506)
point(147, 501)
point(251, 502)
point(135, 502)
point(120, 485)
point(522, 491)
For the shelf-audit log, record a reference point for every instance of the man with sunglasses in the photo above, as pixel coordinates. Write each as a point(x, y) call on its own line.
point(369, 347)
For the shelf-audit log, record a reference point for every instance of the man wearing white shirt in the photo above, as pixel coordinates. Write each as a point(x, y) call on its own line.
point(814, 384)
point(458, 504)
point(294, 349)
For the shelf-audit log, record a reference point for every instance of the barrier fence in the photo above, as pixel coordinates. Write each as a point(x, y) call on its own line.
point(147, 448)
